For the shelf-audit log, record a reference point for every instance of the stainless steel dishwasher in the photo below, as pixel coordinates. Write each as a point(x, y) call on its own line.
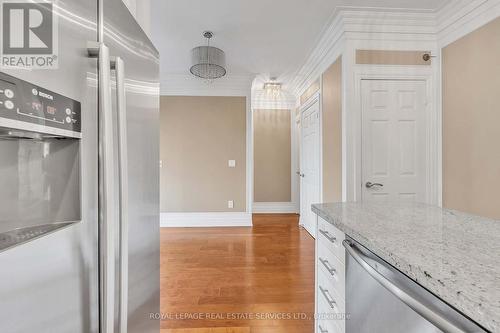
point(381, 299)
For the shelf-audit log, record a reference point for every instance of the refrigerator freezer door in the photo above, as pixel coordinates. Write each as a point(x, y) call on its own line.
point(126, 40)
point(50, 285)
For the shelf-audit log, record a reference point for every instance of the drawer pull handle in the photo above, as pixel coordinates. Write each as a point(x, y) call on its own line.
point(328, 236)
point(330, 269)
point(322, 330)
point(328, 297)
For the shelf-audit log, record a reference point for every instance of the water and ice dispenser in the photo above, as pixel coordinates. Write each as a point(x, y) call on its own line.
point(40, 183)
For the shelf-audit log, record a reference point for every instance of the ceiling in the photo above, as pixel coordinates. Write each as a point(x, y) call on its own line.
point(266, 37)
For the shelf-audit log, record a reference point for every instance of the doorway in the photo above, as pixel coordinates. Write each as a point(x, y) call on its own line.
point(394, 144)
point(310, 191)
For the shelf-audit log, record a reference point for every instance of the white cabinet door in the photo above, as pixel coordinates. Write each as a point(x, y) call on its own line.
point(394, 143)
point(310, 165)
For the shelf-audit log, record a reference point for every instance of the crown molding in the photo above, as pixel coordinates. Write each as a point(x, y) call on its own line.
point(361, 23)
point(187, 85)
point(329, 43)
point(462, 17)
point(443, 26)
point(399, 22)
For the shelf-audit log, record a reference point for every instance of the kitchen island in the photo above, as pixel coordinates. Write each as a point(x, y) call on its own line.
point(453, 255)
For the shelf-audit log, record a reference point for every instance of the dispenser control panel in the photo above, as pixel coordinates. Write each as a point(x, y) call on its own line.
point(26, 106)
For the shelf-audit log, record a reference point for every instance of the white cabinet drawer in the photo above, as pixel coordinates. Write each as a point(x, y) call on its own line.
point(324, 327)
point(329, 293)
point(329, 326)
point(330, 319)
point(332, 238)
point(333, 269)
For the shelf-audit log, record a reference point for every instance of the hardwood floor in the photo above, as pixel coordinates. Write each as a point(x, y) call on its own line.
point(238, 280)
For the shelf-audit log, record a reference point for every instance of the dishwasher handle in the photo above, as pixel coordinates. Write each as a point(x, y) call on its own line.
point(425, 311)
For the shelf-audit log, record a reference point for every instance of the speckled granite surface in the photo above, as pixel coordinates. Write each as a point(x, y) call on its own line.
point(455, 255)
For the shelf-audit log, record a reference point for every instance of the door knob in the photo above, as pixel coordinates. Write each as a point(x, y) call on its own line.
point(300, 174)
point(370, 185)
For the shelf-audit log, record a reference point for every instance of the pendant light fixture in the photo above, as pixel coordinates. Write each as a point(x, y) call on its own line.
point(208, 62)
point(272, 88)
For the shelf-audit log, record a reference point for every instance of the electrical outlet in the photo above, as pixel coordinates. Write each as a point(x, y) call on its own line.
point(231, 163)
point(230, 204)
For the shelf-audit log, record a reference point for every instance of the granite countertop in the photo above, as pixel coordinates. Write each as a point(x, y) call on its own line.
point(452, 254)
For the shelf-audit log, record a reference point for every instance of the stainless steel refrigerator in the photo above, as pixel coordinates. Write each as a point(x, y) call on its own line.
point(79, 180)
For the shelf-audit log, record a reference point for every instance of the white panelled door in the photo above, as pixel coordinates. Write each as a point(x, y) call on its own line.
point(309, 165)
point(394, 140)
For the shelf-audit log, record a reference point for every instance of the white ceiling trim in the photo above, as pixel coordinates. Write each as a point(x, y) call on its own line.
point(388, 22)
point(463, 17)
point(359, 23)
point(328, 48)
point(444, 26)
point(188, 85)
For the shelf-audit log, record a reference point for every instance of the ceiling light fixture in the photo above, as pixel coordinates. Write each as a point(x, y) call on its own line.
point(273, 88)
point(208, 62)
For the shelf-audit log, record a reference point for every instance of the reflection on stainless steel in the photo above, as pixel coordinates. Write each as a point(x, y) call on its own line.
point(40, 182)
point(121, 112)
point(12, 134)
point(50, 184)
point(130, 44)
point(20, 236)
point(380, 299)
point(142, 117)
point(107, 214)
point(49, 284)
point(72, 17)
point(142, 87)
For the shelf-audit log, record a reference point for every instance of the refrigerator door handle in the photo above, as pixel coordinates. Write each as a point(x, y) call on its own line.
point(106, 191)
point(119, 66)
point(419, 307)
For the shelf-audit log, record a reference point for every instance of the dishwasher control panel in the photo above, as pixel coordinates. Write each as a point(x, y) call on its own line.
point(25, 106)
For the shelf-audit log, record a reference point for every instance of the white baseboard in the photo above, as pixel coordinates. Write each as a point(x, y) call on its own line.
point(274, 207)
point(222, 219)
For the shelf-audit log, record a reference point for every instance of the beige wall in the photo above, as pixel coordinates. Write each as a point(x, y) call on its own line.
point(471, 122)
point(386, 57)
point(198, 137)
point(272, 155)
point(332, 132)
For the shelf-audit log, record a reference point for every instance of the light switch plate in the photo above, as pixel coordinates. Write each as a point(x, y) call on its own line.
point(230, 204)
point(231, 163)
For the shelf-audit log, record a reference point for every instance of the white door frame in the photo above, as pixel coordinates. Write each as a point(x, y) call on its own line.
point(296, 151)
point(315, 98)
point(429, 75)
